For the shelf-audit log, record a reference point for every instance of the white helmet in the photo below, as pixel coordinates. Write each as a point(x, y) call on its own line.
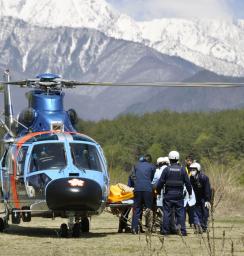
point(160, 160)
point(196, 166)
point(163, 160)
point(174, 155)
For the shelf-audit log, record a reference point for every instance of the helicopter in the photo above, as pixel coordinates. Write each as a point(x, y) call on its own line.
point(48, 169)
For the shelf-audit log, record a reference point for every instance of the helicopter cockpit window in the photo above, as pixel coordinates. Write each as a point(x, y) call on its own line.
point(21, 160)
point(4, 158)
point(48, 156)
point(85, 156)
point(10, 162)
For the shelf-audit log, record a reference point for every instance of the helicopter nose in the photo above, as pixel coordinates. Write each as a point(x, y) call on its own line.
point(74, 194)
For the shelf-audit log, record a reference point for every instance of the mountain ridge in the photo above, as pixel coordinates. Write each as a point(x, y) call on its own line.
point(87, 55)
point(215, 45)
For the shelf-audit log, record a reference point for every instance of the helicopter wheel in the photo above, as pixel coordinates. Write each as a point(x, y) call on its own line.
point(85, 225)
point(76, 230)
point(63, 230)
point(15, 216)
point(26, 216)
point(2, 225)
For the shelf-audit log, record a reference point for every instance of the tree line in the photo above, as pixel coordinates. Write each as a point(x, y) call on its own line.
point(213, 136)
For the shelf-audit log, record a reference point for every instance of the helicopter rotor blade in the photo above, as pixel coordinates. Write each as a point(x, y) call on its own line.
point(22, 83)
point(157, 84)
point(60, 83)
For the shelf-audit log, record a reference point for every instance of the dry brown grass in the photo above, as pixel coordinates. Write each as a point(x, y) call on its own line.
point(229, 194)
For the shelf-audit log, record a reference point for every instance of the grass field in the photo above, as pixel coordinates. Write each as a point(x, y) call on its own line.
point(40, 238)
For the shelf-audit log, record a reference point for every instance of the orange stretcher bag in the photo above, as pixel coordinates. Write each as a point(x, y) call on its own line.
point(120, 192)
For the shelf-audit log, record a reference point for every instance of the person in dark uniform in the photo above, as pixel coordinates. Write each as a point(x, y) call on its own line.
point(143, 192)
point(201, 186)
point(173, 179)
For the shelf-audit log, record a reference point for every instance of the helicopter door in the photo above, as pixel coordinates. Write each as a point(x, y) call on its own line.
point(6, 170)
point(3, 174)
point(20, 162)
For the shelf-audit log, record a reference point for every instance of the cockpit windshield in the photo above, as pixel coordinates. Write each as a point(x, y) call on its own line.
point(48, 156)
point(85, 156)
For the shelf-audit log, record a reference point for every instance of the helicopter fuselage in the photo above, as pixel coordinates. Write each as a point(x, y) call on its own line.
point(60, 172)
point(48, 169)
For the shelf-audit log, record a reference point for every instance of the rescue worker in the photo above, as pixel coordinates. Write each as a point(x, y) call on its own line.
point(173, 179)
point(188, 161)
point(201, 186)
point(162, 163)
point(143, 192)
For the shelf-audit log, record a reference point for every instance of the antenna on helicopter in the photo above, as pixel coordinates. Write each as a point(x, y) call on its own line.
point(8, 108)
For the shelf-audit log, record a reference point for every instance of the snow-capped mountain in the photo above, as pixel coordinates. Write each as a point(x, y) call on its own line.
point(86, 55)
point(213, 44)
point(216, 45)
point(96, 14)
point(83, 40)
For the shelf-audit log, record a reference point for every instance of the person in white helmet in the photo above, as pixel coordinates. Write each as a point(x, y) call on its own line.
point(162, 163)
point(173, 179)
point(201, 186)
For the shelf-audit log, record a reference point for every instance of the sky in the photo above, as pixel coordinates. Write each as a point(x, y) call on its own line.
point(151, 9)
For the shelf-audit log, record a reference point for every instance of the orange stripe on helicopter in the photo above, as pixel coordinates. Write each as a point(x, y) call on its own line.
point(13, 182)
point(31, 135)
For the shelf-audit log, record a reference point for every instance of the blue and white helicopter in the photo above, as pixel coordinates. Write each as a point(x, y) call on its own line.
point(49, 169)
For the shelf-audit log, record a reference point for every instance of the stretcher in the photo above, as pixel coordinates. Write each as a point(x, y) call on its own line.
point(121, 204)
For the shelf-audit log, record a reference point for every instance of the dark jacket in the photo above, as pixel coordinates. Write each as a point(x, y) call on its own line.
point(173, 179)
point(187, 169)
point(131, 181)
point(201, 187)
point(144, 173)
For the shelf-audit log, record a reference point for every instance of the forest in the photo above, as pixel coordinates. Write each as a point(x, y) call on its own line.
point(217, 137)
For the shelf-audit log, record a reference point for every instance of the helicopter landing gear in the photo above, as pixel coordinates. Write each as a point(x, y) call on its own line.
point(15, 216)
point(26, 214)
point(63, 230)
point(4, 219)
point(85, 225)
point(76, 226)
point(73, 226)
point(3, 224)
point(76, 230)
